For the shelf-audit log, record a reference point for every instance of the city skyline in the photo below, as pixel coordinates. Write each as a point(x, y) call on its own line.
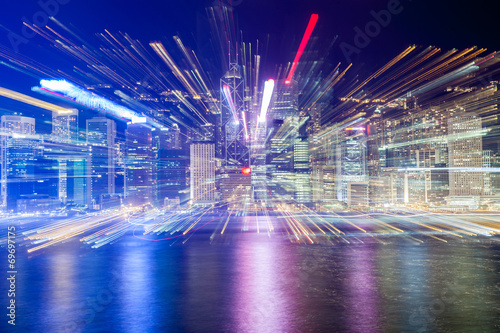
point(278, 126)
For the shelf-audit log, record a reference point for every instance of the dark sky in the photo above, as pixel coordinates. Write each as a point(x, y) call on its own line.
point(444, 23)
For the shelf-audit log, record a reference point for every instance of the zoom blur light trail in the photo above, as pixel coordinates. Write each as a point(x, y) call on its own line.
point(33, 101)
point(90, 100)
point(266, 99)
point(302, 46)
point(229, 98)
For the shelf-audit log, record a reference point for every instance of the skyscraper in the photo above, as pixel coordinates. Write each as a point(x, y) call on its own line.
point(202, 173)
point(139, 165)
point(234, 122)
point(101, 134)
point(170, 166)
point(285, 100)
point(303, 189)
point(65, 125)
point(25, 174)
point(465, 155)
point(350, 160)
point(64, 129)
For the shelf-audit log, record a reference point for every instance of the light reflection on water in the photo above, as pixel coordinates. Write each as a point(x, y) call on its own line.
point(253, 283)
point(264, 300)
point(361, 288)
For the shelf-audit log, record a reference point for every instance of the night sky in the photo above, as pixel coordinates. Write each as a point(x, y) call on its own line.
point(444, 23)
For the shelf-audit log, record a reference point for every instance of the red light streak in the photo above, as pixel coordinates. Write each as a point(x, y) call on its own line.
point(302, 46)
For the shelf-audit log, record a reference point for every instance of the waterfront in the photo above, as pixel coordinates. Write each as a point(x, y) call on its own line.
point(244, 281)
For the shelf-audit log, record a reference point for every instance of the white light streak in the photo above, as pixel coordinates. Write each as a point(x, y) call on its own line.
point(266, 99)
point(91, 100)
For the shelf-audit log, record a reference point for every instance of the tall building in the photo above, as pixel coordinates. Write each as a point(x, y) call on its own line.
point(170, 167)
point(322, 156)
point(18, 125)
point(64, 129)
point(350, 160)
point(258, 164)
point(17, 155)
point(169, 138)
point(139, 165)
point(11, 125)
point(65, 125)
point(101, 134)
point(283, 135)
point(72, 169)
point(78, 190)
point(234, 131)
point(236, 189)
point(29, 181)
point(285, 100)
point(303, 189)
point(202, 173)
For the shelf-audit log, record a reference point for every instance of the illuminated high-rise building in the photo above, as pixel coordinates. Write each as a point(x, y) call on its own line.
point(236, 188)
point(139, 165)
point(465, 156)
point(64, 129)
point(78, 180)
point(280, 158)
point(202, 173)
point(285, 100)
point(65, 125)
point(101, 134)
point(234, 121)
point(322, 156)
point(303, 189)
point(72, 167)
point(29, 180)
point(18, 146)
point(170, 167)
point(350, 160)
point(18, 125)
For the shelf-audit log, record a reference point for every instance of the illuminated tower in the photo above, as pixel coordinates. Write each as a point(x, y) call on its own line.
point(101, 134)
point(234, 122)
